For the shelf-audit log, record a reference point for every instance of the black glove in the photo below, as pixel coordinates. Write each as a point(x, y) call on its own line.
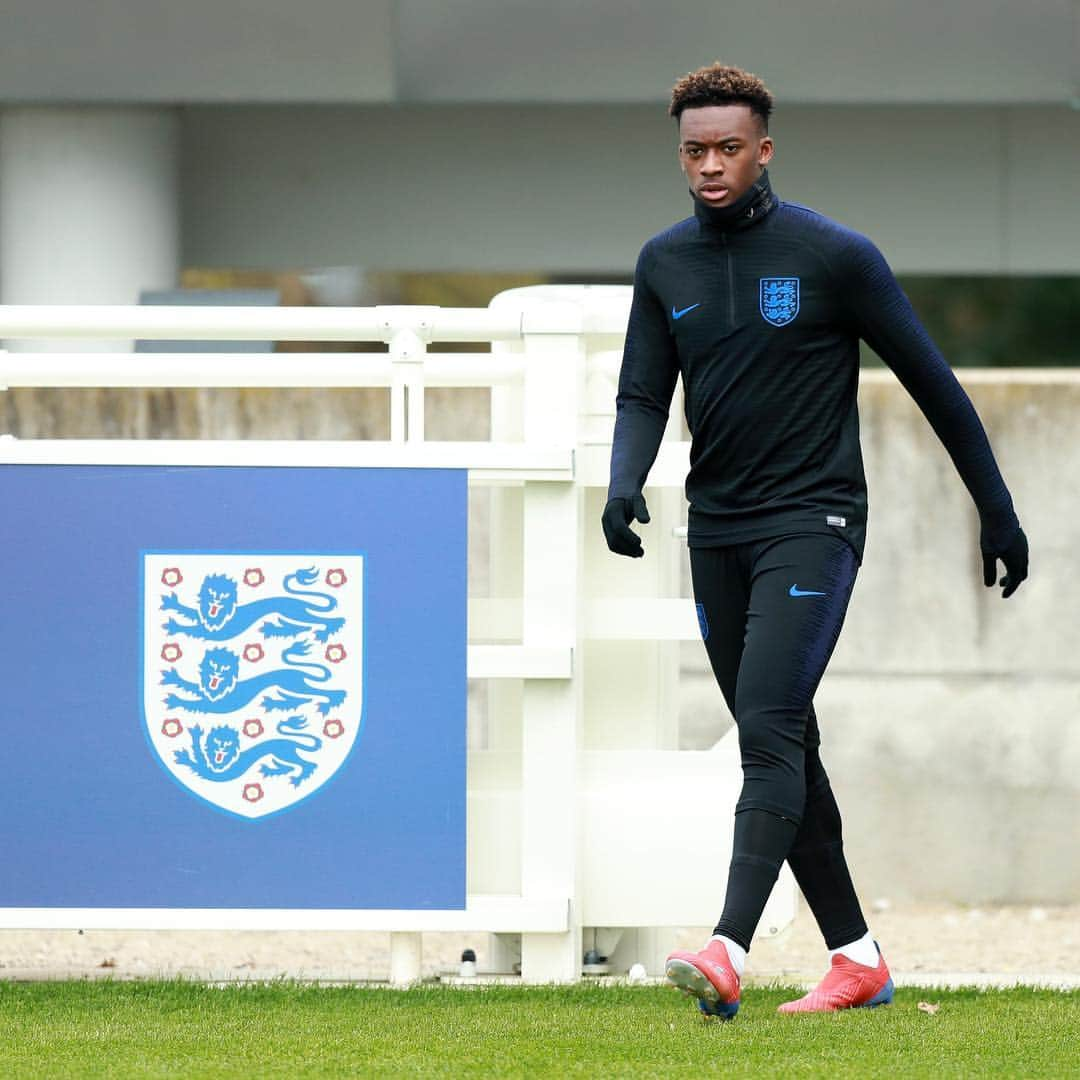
point(618, 514)
point(1015, 557)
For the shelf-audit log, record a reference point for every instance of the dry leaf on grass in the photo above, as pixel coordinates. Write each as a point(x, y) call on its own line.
point(928, 1008)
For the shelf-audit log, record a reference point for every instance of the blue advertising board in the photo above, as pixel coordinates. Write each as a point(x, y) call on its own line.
point(232, 687)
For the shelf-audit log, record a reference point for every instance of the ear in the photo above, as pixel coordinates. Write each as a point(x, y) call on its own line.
point(765, 151)
point(682, 160)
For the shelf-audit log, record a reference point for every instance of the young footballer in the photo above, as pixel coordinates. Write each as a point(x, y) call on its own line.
point(759, 306)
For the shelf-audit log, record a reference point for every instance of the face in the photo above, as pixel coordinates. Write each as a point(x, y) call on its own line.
point(722, 150)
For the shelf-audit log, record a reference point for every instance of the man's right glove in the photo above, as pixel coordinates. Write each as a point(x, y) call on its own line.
point(618, 514)
point(1015, 558)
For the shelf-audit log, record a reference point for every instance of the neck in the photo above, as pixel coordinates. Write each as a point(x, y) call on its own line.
point(747, 210)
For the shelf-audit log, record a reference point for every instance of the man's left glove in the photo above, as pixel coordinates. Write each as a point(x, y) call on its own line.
point(1015, 557)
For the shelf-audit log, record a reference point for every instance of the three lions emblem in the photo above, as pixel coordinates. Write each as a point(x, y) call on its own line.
point(252, 672)
point(778, 299)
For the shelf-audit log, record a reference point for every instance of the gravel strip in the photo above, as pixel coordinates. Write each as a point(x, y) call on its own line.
point(922, 943)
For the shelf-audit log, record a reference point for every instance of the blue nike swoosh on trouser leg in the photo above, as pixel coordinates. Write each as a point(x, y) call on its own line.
point(796, 591)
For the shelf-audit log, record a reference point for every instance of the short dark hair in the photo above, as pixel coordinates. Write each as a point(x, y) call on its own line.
point(718, 84)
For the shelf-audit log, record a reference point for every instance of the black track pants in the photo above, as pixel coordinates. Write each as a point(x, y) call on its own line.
point(770, 614)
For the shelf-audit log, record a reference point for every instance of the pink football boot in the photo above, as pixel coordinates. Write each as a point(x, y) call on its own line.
point(847, 985)
point(709, 976)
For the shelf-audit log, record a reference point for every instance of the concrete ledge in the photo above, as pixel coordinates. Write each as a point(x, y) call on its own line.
point(483, 913)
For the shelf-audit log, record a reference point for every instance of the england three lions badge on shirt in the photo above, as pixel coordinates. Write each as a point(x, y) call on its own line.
point(252, 671)
point(778, 299)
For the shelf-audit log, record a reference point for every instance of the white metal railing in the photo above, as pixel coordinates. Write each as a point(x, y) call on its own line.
point(183, 323)
point(247, 369)
point(551, 799)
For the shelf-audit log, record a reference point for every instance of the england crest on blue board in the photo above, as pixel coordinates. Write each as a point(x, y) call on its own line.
point(252, 672)
point(779, 299)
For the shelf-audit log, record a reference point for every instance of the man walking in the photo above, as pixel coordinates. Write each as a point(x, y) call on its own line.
point(759, 305)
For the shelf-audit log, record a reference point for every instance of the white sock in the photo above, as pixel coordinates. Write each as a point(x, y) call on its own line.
point(863, 951)
point(736, 953)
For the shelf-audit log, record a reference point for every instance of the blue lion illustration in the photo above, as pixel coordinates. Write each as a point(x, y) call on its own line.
point(219, 617)
point(222, 759)
point(221, 690)
point(781, 289)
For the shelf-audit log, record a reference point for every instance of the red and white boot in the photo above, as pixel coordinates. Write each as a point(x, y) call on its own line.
point(709, 976)
point(847, 985)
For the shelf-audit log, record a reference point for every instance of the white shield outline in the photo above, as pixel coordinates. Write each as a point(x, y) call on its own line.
point(334, 664)
point(788, 315)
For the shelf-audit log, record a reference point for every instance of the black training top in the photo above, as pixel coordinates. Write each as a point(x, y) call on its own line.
point(760, 307)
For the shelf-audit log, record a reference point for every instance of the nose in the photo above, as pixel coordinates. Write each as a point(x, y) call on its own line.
point(713, 163)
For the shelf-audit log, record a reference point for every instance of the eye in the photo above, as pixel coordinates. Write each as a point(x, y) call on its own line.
point(731, 148)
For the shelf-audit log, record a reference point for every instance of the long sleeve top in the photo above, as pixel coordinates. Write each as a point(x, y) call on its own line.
point(760, 307)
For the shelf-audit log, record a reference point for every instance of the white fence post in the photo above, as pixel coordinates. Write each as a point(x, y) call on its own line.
point(406, 956)
point(631, 691)
point(408, 330)
point(551, 709)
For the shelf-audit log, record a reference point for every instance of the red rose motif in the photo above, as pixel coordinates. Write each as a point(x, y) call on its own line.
point(335, 653)
point(336, 578)
point(171, 576)
point(172, 727)
point(171, 652)
point(333, 729)
point(253, 653)
point(253, 792)
point(253, 728)
point(253, 576)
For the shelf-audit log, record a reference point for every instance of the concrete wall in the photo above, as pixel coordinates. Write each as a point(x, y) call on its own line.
point(928, 51)
point(577, 189)
point(964, 707)
point(949, 716)
point(346, 51)
point(131, 52)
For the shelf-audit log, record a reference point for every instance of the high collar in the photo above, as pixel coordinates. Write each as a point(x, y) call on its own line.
point(751, 207)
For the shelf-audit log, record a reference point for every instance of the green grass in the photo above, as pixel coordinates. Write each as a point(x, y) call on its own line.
point(191, 1030)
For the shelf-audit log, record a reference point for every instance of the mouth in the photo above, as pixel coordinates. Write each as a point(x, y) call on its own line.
point(713, 192)
point(219, 756)
point(214, 609)
point(215, 681)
